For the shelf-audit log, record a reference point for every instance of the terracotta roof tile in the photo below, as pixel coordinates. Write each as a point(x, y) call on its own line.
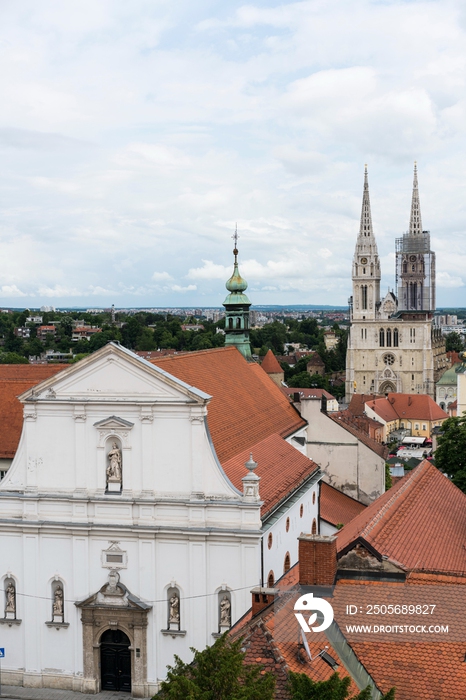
point(408, 406)
point(280, 466)
point(357, 405)
point(342, 419)
point(336, 507)
point(419, 523)
point(14, 380)
point(270, 364)
point(246, 406)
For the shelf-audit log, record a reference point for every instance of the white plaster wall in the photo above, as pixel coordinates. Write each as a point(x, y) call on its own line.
point(347, 463)
point(283, 541)
point(199, 565)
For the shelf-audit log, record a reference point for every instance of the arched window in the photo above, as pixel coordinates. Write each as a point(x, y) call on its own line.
point(395, 337)
point(238, 323)
point(313, 498)
point(58, 602)
point(271, 579)
point(270, 540)
point(364, 296)
point(287, 564)
point(405, 266)
point(389, 338)
point(287, 526)
point(314, 527)
point(301, 511)
point(246, 322)
point(173, 609)
point(382, 338)
point(230, 322)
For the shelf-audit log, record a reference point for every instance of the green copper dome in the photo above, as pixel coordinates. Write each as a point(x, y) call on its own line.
point(236, 285)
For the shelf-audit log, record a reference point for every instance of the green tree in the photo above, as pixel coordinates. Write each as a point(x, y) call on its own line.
point(217, 673)
point(388, 477)
point(450, 456)
point(336, 688)
point(454, 341)
point(12, 358)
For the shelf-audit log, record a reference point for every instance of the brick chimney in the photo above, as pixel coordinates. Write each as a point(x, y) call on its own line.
point(261, 598)
point(317, 559)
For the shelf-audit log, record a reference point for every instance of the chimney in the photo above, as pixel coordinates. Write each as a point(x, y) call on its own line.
point(317, 559)
point(261, 598)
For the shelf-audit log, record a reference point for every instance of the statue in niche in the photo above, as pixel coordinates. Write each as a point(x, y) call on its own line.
point(58, 602)
point(174, 612)
point(225, 612)
point(114, 466)
point(10, 603)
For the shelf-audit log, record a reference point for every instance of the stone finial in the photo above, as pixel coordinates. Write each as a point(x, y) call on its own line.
point(251, 482)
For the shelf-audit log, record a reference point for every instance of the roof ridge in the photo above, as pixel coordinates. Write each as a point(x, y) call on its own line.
point(411, 481)
point(230, 348)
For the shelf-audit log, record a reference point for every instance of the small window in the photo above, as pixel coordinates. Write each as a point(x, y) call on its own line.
point(314, 527)
point(230, 323)
point(424, 426)
point(395, 338)
point(301, 511)
point(271, 580)
point(286, 565)
point(313, 498)
point(287, 524)
point(238, 323)
point(270, 540)
point(382, 338)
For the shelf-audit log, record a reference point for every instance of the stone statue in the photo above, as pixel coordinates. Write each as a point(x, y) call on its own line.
point(114, 467)
point(225, 612)
point(10, 606)
point(58, 602)
point(112, 586)
point(174, 614)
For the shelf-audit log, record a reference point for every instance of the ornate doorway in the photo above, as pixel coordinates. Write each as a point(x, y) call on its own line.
point(115, 661)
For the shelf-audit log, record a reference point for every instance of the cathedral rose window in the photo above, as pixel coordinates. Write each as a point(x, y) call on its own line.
point(389, 359)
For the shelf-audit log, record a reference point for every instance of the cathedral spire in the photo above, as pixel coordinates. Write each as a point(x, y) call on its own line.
point(237, 309)
point(365, 228)
point(415, 223)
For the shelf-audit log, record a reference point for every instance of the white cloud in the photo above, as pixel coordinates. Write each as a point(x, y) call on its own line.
point(11, 291)
point(444, 279)
point(161, 276)
point(178, 288)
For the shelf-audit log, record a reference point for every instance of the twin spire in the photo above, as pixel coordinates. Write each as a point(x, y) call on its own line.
point(415, 222)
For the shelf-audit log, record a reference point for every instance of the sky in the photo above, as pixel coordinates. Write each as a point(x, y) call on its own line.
point(134, 136)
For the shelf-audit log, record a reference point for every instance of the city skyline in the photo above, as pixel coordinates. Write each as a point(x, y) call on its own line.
point(133, 139)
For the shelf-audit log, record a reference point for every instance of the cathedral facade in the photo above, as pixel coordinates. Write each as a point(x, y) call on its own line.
point(392, 345)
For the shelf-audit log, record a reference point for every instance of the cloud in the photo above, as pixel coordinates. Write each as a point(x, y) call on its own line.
point(161, 276)
point(11, 291)
point(178, 288)
point(444, 279)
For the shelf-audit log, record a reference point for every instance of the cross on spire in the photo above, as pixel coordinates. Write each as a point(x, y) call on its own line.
point(235, 236)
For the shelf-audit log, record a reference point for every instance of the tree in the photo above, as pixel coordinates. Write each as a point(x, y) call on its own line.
point(217, 673)
point(12, 358)
point(450, 456)
point(454, 341)
point(336, 688)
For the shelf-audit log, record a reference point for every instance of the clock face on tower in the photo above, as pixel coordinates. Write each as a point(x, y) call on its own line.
point(364, 261)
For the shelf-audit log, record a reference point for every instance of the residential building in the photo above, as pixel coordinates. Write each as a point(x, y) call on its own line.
point(446, 388)
point(315, 364)
point(330, 340)
point(44, 331)
point(417, 413)
point(22, 332)
point(393, 345)
point(84, 332)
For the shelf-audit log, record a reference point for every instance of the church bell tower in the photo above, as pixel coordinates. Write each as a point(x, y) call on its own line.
point(366, 265)
point(237, 307)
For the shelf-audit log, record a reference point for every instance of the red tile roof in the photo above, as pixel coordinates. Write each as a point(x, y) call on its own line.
point(419, 523)
point(336, 507)
point(346, 421)
point(246, 406)
point(270, 364)
point(408, 406)
point(14, 380)
point(357, 405)
point(270, 639)
point(281, 467)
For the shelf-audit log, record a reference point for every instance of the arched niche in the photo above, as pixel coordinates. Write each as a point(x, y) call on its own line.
point(224, 610)
point(113, 464)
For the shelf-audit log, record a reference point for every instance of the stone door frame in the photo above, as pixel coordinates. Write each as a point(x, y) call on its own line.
point(133, 621)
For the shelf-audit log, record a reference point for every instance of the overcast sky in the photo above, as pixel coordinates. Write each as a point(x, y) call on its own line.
point(133, 135)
